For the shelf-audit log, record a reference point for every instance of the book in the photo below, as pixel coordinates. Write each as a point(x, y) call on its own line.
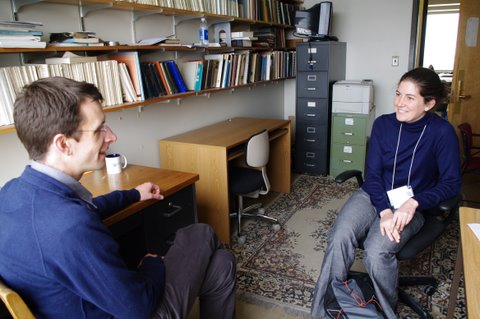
point(192, 72)
point(163, 77)
point(132, 61)
point(69, 57)
point(177, 76)
point(220, 58)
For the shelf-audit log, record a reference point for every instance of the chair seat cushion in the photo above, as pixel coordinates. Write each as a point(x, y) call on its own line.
point(244, 180)
point(431, 229)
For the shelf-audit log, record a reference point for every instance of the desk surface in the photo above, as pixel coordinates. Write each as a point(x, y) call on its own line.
point(229, 133)
point(471, 259)
point(99, 183)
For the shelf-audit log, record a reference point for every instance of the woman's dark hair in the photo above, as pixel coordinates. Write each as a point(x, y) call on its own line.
point(48, 107)
point(429, 84)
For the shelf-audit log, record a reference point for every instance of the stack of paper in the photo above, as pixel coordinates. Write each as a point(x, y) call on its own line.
point(20, 34)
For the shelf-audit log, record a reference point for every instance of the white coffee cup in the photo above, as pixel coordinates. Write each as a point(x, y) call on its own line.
point(115, 163)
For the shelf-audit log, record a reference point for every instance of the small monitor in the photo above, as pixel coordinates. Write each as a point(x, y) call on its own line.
point(314, 23)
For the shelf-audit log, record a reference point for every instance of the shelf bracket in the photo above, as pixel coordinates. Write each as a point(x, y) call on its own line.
point(85, 9)
point(18, 4)
point(137, 15)
point(180, 19)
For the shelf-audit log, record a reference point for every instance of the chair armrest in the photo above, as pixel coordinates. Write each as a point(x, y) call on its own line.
point(342, 177)
point(450, 203)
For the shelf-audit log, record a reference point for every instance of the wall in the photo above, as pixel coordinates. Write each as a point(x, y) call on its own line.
point(374, 30)
point(140, 129)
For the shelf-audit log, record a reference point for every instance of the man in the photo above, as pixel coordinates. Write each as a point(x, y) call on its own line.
point(57, 253)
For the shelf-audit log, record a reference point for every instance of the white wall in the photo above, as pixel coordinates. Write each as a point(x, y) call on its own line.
point(374, 30)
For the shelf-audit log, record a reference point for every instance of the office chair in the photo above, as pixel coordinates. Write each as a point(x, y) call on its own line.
point(252, 181)
point(471, 153)
point(436, 221)
point(14, 303)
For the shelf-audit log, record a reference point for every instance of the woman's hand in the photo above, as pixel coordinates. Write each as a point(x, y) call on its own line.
point(387, 225)
point(404, 214)
point(149, 191)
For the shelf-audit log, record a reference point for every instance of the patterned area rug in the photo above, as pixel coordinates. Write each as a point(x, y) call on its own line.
point(280, 268)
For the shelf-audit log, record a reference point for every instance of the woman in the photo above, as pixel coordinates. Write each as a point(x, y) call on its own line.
point(412, 165)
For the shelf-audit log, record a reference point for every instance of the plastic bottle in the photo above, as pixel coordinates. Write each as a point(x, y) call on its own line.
point(203, 32)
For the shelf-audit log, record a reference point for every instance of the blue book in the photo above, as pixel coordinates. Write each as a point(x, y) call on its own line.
point(177, 76)
point(15, 32)
point(198, 77)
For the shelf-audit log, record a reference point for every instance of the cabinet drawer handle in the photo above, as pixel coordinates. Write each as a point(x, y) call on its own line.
point(175, 210)
point(348, 134)
point(347, 161)
point(310, 165)
point(311, 89)
point(309, 140)
point(310, 114)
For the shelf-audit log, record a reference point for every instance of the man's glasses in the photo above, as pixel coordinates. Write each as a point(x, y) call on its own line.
point(104, 128)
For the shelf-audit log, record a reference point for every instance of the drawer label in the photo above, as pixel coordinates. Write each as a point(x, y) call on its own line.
point(312, 104)
point(349, 121)
point(312, 50)
point(347, 149)
point(311, 77)
point(310, 129)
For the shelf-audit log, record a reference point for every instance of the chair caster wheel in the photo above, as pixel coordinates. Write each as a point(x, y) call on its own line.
point(261, 211)
point(276, 227)
point(429, 290)
point(242, 240)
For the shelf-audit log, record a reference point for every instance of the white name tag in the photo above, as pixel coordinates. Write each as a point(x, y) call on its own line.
point(399, 195)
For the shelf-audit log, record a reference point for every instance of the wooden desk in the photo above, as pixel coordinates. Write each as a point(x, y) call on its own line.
point(99, 183)
point(207, 151)
point(471, 259)
point(147, 226)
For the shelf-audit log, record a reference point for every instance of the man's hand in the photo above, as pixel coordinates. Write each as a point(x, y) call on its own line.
point(149, 191)
point(387, 225)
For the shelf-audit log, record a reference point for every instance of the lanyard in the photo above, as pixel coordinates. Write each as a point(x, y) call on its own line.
point(413, 155)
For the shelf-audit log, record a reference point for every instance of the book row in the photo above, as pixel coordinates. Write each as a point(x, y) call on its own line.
point(274, 11)
point(122, 78)
point(240, 68)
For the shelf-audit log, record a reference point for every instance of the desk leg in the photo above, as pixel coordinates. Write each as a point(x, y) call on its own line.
point(452, 302)
point(279, 165)
point(210, 163)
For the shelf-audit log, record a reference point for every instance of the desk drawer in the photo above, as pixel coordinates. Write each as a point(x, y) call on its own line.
point(344, 157)
point(311, 110)
point(311, 161)
point(152, 229)
point(312, 57)
point(312, 84)
point(349, 130)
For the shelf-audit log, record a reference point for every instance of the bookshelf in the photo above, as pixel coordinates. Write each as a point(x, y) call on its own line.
point(140, 10)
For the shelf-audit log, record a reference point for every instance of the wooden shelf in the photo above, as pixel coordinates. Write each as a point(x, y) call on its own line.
point(5, 129)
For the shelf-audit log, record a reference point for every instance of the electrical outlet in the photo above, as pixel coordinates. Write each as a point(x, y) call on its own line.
point(395, 60)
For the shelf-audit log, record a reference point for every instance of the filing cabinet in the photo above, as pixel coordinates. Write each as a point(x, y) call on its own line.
point(353, 113)
point(319, 65)
point(349, 142)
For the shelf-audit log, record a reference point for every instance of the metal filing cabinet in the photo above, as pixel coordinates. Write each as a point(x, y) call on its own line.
point(352, 117)
point(319, 65)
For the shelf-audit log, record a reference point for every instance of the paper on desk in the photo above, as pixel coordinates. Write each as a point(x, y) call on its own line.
point(476, 229)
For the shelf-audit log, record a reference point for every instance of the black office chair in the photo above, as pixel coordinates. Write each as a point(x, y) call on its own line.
point(471, 152)
point(252, 181)
point(436, 221)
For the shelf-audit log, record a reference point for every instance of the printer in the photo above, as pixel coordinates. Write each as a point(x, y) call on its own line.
point(352, 96)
